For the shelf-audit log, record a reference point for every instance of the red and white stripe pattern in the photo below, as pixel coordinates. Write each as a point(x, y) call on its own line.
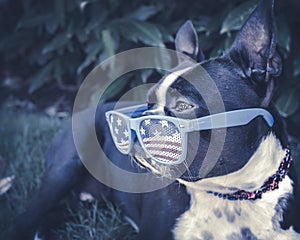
point(162, 140)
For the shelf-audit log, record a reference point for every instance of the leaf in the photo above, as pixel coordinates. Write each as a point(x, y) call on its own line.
point(222, 46)
point(116, 87)
point(71, 28)
point(210, 25)
point(135, 31)
point(40, 78)
point(145, 74)
point(109, 46)
point(296, 64)
point(236, 18)
point(201, 25)
point(167, 36)
point(144, 12)
point(57, 70)
point(81, 36)
point(284, 35)
point(91, 44)
point(163, 59)
point(95, 22)
point(108, 42)
point(52, 25)
point(59, 7)
point(288, 102)
point(56, 43)
point(91, 57)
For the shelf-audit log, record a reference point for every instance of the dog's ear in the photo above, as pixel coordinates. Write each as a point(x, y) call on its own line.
point(186, 42)
point(255, 50)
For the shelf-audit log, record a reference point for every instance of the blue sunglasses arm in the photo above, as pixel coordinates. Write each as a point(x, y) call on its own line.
point(230, 119)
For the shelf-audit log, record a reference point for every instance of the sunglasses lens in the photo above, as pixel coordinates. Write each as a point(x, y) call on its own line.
point(162, 140)
point(120, 132)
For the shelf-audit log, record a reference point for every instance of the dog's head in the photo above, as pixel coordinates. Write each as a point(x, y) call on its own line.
point(244, 77)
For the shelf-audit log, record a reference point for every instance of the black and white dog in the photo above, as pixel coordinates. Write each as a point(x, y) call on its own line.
point(250, 193)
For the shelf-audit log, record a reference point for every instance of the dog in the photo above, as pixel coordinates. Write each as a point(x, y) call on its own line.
point(250, 192)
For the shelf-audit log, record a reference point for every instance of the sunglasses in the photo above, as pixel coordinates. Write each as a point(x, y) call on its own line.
point(164, 138)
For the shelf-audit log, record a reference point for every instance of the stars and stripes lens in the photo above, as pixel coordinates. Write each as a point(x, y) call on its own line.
point(161, 139)
point(120, 132)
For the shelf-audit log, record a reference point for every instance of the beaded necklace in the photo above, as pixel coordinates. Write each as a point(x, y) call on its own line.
point(270, 184)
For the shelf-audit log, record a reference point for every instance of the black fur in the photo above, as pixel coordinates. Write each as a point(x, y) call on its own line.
point(245, 78)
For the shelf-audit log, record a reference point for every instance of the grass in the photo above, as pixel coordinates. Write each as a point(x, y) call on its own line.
point(24, 139)
point(92, 221)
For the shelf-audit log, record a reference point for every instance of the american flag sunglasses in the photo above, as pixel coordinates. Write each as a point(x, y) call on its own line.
point(164, 138)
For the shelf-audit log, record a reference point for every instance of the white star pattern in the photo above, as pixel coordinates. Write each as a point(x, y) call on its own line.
point(164, 123)
point(126, 133)
point(119, 122)
point(143, 132)
point(147, 122)
point(116, 130)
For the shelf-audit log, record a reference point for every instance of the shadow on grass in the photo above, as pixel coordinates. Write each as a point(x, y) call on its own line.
point(24, 139)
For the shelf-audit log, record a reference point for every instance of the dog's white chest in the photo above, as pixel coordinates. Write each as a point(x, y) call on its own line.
point(212, 218)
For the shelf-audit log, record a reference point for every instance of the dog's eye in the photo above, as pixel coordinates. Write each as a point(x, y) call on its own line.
point(182, 106)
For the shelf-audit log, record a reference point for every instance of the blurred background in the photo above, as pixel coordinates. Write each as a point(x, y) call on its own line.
point(47, 48)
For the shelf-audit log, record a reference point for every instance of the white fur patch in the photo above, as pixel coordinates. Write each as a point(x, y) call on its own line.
point(166, 83)
point(224, 219)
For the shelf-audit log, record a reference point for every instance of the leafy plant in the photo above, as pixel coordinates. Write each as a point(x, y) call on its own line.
point(62, 40)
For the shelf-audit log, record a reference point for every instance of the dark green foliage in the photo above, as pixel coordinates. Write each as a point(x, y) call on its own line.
point(62, 40)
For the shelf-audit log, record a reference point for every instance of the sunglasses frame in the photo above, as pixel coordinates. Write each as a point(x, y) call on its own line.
point(132, 117)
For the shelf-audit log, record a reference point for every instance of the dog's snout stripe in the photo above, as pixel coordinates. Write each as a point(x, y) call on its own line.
point(161, 92)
